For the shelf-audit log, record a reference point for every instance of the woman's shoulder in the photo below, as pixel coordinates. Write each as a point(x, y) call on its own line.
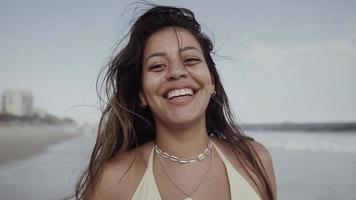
point(267, 164)
point(263, 155)
point(122, 173)
point(261, 151)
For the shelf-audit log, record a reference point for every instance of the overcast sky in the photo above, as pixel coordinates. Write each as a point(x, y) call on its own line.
point(281, 60)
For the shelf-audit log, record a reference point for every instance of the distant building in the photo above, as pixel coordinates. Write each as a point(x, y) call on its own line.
point(17, 102)
point(40, 113)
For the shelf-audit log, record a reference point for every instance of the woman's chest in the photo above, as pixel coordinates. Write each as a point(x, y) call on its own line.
point(208, 183)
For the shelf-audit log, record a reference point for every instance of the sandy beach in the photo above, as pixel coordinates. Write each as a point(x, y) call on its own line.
point(310, 166)
point(22, 142)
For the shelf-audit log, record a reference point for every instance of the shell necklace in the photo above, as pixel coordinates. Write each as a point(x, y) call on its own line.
point(176, 159)
point(181, 160)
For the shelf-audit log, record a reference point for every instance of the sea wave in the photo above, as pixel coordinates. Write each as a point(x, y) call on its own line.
point(330, 142)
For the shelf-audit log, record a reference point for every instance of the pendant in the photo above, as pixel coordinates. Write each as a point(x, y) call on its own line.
point(188, 198)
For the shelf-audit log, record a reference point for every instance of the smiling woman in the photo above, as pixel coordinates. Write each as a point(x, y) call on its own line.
point(176, 82)
point(167, 131)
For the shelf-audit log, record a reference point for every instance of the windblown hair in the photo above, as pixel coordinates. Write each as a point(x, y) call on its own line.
point(125, 125)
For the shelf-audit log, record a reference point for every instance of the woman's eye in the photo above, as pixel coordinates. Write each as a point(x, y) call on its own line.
point(191, 61)
point(156, 67)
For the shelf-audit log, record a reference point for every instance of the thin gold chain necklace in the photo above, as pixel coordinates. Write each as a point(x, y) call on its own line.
point(188, 195)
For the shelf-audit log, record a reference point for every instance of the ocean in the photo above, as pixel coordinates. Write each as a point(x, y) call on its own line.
point(308, 166)
point(313, 165)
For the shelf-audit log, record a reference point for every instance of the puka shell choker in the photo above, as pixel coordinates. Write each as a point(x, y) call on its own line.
point(182, 160)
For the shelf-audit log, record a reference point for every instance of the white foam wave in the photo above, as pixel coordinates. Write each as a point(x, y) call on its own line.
point(331, 142)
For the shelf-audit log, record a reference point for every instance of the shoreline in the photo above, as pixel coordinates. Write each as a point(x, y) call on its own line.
point(23, 142)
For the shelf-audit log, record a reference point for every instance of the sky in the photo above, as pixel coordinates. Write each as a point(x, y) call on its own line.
point(280, 61)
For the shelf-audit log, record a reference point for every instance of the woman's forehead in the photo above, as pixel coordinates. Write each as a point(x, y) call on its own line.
point(170, 39)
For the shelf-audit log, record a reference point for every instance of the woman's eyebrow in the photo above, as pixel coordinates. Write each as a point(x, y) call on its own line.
point(162, 54)
point(189, 48)
point(158, 54)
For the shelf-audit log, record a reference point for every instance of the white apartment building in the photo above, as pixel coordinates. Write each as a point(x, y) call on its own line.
point(17, 102)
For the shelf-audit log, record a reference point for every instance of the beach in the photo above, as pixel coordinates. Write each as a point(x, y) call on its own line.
point(310, 166)
point(22, 142)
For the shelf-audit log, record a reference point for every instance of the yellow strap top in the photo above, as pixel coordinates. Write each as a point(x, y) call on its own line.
point(240, 189)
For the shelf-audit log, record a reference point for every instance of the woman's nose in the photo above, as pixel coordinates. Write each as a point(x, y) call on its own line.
point(176, 71)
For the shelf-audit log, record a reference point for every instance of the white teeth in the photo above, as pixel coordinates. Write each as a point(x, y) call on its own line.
point(179, 92)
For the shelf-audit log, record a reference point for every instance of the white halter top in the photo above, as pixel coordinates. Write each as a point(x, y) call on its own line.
point(240, 189)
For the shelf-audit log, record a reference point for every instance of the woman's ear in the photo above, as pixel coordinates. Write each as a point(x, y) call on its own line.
point(212, 90)
point(212, 83)
point(143, 98)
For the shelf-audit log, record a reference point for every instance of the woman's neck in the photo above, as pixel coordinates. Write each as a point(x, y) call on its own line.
point(183, 141)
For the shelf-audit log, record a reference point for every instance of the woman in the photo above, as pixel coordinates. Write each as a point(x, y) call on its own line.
point(167, 131)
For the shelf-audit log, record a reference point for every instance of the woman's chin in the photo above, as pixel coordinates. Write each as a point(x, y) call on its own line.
point(183, 120)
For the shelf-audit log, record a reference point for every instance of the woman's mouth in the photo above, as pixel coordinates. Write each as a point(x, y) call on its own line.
point(181, 96)
point(176, 93)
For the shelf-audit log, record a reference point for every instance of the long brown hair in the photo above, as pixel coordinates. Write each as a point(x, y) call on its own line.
point(125, 125)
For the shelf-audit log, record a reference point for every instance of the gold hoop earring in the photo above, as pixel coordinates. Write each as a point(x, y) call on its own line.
point(143, 106)
point(213, 94)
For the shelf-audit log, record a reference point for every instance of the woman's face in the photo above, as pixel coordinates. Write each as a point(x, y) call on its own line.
point(177, 84)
